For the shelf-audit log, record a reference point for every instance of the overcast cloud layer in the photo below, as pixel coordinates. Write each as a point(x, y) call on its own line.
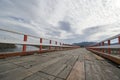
point(69, 20)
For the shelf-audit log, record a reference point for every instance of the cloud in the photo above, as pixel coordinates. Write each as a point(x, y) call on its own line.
point(65, 26)
point(67, 20)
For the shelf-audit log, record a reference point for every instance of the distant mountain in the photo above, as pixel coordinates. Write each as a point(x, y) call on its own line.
point(84, 44)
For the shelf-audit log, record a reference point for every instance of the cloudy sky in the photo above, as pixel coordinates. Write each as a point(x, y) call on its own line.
point(67, 20)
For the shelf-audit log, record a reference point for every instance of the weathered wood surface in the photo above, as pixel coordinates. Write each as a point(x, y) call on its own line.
point(77, 64)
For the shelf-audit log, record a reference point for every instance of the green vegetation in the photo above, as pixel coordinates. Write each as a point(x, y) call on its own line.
point(6, 46)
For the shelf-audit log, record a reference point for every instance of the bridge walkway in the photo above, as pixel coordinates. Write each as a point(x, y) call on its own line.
point(77, 64)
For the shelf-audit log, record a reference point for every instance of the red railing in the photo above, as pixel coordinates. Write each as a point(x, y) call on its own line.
point(108, 50)
point(52, 45)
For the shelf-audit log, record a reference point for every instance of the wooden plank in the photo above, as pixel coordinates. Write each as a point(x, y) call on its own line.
point(52, 70)
point(101, 70)
point(98, 57)
point(59, 79)
point(108, 71)
point(15, 74)
point(30, 61)
point(66, 71)
point(58, 66)
point(38, 76)
point(92, 72)
point(88, 70)
point(77, 72)
point(41, 66)
point(96, 74)
point(87, 57)
point(64, 74)
point(7, 66)
point(57, 71)
point(21, 73)
point(72, 61)
point(55, 68)
point(81, 57)
point(108, 56)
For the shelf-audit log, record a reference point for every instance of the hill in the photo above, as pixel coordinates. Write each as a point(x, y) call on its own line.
point(84, 44)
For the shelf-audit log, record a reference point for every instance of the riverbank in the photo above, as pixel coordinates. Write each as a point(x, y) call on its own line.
point(7, 46)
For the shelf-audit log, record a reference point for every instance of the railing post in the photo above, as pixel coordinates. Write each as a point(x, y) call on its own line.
point(119, 40)
point(56, 44)
point(50, 44)
point(103, 45)
point(40, 44)
point(24, 45)
point(109, 50)
point(60, 46)
point(119, 43)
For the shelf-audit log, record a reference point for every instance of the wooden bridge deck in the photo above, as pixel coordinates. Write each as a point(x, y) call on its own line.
point(77, 64)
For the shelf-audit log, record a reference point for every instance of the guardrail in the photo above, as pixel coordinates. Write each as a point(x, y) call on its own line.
point(30, 40)
point(108, 50)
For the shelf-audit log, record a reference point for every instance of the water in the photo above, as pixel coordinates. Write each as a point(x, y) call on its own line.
point(19, 49)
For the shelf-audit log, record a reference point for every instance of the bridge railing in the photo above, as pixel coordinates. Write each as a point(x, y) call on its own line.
point(26, 40)
point(108, 49)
